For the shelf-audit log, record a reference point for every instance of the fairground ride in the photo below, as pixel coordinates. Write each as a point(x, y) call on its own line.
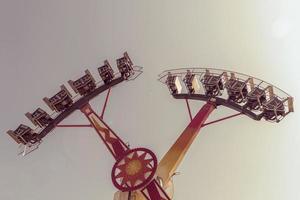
point(137, 174)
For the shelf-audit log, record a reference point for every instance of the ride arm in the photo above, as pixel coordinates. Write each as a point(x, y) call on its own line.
point(113, 143)
point(172, 159)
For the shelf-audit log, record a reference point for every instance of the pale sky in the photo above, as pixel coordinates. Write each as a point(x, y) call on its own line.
point(43, 44)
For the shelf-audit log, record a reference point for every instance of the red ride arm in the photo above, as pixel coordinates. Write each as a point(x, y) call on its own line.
point(114, 144)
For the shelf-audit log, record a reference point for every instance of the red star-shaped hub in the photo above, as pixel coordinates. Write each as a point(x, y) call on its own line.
point(134, 170)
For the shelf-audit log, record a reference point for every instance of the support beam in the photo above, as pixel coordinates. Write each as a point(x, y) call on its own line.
point(74, 125)
point(189, 109)
point(105, 103)
point(222, 119)
point(90, 126)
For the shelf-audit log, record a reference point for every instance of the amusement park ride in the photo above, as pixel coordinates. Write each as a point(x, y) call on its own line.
point(137, 173)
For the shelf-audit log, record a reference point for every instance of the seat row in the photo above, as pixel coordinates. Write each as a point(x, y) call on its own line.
point(243, 92)
point(63, 99)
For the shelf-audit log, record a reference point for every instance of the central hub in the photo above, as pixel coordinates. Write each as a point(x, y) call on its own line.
point(134, 170)
point(133, 167)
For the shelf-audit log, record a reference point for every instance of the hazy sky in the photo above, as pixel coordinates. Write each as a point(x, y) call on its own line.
point(45, 43)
